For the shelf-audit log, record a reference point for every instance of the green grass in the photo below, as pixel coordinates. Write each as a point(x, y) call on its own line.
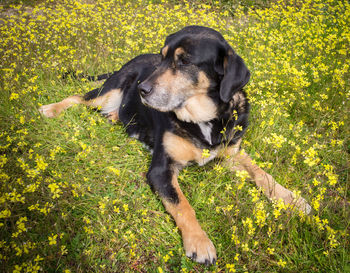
point(74, 197)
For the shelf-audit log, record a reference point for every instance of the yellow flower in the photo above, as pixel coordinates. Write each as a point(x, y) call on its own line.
point(40, 163)
point(281, 263)
point(205, 153)
point(245, 247)
point(55, 190)
point(126, 207)
point(14, 96)
point(271, 251)
point(114, 171)
point(5, 213)
point(52, 239)
point(248, 223)
point(230, 267)
point(166, 258)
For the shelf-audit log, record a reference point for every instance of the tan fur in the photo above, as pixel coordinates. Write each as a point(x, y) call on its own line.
point(166, 79)
point(108, 103)
point(194, 238)
point(230, 52)
point(198, 108)
point(183, 151)
point(178, 83)
point(265, 181)
point(54, 109)
point(203, 82)
point(165, 50)
point(225, 62)
point(180, 149)
point(178, 52)
point(113, 116)
point(239, 100)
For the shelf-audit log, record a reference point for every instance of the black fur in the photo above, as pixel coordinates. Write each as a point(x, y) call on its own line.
point(208, 52)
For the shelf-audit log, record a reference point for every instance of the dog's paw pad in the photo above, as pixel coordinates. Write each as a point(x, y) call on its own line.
point(199, 248)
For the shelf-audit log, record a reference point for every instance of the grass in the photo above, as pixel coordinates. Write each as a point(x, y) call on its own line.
point(73, 192)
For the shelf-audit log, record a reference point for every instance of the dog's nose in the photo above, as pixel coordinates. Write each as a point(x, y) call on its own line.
point(145, 88)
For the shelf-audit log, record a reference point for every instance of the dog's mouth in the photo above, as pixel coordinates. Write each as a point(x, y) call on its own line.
point(145, 102)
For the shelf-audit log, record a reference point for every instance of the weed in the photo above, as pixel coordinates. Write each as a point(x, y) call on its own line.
point(73, 195)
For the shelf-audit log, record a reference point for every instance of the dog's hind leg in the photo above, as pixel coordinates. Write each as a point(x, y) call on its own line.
point(265, 181)
point(54, 109)
point(107, 102)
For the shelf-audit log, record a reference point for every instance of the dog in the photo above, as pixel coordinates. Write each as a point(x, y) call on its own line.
point(180, 102)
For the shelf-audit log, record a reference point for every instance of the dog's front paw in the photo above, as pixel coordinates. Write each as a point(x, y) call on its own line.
point(49, 110)
point(200, 248)
point(293, 201)
point(302, 205)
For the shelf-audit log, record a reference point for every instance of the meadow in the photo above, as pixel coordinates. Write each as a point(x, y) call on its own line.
point(73, 193)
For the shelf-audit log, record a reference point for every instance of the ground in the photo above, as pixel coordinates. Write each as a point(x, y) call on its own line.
point(73, 196)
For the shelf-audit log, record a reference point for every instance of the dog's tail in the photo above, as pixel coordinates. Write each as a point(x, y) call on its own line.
point(98, 78)
point(74, 75)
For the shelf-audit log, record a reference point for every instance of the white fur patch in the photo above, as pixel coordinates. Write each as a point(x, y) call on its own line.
point(206, 130)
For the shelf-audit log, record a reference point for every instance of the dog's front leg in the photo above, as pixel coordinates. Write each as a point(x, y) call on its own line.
point(162, 177)
point(196, 242)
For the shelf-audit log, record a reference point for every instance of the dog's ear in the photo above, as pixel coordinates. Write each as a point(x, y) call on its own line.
point(235, 75)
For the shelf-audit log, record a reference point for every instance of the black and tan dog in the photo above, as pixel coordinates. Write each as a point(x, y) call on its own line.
point(186, 99)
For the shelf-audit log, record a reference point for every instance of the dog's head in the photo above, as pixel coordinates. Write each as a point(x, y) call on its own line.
point(196, 61)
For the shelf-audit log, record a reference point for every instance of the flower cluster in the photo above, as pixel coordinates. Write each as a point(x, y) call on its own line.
point(75, 184)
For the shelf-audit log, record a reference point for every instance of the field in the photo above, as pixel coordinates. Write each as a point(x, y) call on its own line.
point(73, 193)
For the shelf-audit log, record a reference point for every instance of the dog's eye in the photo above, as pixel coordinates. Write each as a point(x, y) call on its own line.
point(183, 61)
